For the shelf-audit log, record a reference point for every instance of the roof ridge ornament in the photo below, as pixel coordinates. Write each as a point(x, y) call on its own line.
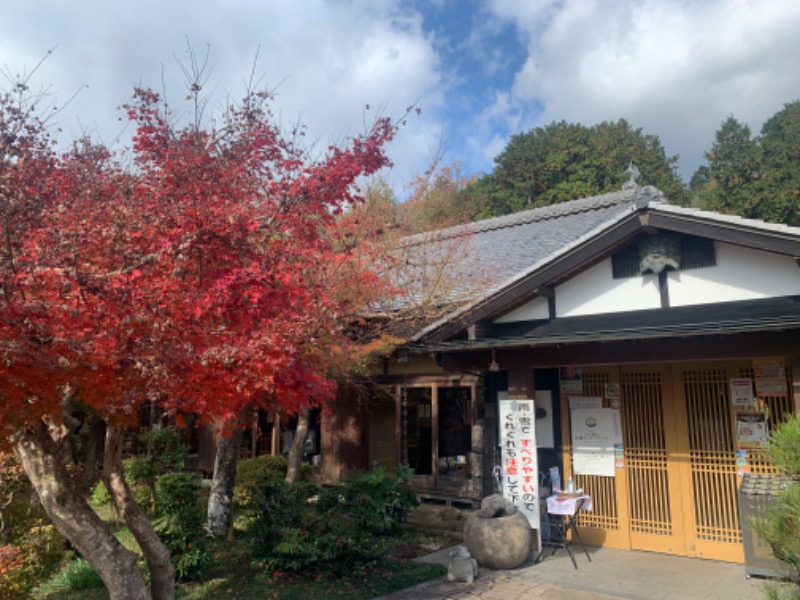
point(642, 196)
point(634, 175)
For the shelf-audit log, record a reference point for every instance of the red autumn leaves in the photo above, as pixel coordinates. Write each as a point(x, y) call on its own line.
point(206, 271)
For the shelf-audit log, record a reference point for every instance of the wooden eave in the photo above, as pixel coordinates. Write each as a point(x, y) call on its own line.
point(780, 314)
point(731, 232)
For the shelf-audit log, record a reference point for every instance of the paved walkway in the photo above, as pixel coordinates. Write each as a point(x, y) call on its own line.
point(611, 575)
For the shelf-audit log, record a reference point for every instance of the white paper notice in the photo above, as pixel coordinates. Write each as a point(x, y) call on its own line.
point(595, 432)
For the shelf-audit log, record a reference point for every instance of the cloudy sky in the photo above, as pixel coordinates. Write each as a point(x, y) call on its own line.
point(479, 70)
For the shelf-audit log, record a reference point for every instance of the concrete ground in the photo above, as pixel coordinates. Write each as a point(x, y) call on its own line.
point(611, 575)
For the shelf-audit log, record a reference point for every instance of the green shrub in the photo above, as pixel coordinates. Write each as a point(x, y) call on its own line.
point(251, 476)
point(77, 576)
point(784, 448)
point(338, 530)
point(100, 495)
point(39, 553)
point(780, 524)
point(164, 452)
point(30, 548)
point(182, 530)
point(379, 501)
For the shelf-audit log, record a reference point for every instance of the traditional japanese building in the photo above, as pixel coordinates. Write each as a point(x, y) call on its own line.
point(684, 324)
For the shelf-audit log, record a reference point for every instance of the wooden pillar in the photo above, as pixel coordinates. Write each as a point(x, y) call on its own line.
point(795, 362)
point(398, 426)
point(477, 448)
point(255, 434)
point(520, 383)
point(275, 442)
point(435, 432)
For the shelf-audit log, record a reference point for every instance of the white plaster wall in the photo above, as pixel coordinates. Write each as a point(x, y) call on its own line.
point(533, 310)
point(740, 274)
point(596, 291)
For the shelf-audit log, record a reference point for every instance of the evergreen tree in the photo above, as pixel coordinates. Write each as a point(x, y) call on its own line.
point(733, 171)
point(780, 187)
point(755, 178)
point(564, 161)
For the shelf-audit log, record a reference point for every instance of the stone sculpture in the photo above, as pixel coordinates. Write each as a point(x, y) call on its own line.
point(498, 536)
point(462, 566)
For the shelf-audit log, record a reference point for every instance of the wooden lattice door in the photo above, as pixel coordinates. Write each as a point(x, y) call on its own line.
point(677, 492)
point(708, 469)
point(605, 525)
point(651, 449)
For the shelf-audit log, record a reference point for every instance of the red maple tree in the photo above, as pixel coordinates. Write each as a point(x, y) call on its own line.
point(209, 275)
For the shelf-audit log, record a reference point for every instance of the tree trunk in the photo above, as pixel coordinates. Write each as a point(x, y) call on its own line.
point(157, 555)
point(74, 518)
point(298, 445)
point(94, 451)
point(220, 499)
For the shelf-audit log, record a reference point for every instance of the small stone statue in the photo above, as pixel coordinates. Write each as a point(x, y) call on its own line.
point(494, 506)
point(462, 566)
point(634, 175)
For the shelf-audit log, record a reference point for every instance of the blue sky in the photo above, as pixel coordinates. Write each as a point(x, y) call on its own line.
point(479, 70)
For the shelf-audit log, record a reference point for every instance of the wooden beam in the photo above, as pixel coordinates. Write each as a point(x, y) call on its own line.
point(520, 384)
point(550, 294)
point(715, 347)
point(480, 330)
point(663, 288)
point(739, 234)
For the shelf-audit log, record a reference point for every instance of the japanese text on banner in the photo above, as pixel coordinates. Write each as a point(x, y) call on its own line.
point(520, 464)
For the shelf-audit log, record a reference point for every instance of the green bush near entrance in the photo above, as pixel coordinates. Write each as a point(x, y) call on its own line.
point(337, 530)
point(780, 525)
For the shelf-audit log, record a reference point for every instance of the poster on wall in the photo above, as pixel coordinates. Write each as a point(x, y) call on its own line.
point(770, 376)
point(595, 435)
point(769, 368)
point(742, 391)
point(613, 395)
point(752, 430)
point(571, 379)
point(585, 402)
point(771, 387)
point(742, 466)
point(518, 455)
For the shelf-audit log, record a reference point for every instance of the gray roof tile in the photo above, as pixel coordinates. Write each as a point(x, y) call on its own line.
point(468, 260)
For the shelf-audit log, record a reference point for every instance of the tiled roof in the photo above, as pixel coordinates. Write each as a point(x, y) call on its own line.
point(469, 260)
point(474, 262)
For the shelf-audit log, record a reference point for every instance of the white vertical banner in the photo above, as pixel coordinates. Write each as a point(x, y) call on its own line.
point(518, 453)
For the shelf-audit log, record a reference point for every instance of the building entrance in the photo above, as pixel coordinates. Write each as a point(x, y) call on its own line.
point(676, 490)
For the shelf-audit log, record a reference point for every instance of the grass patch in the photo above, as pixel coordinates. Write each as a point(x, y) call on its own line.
point(390, 578)
point(77, 580)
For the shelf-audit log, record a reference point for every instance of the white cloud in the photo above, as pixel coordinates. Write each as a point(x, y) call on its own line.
point(331, 58)
point(676, 69)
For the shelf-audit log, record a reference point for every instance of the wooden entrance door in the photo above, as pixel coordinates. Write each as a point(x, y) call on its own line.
point(707, 459)
point(652, 460)
point(677, 491)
